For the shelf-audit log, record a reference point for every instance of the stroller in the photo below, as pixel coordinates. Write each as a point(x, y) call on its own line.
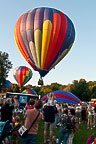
point(6, 130)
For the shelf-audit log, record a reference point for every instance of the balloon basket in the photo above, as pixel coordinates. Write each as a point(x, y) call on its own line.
point(40, 82)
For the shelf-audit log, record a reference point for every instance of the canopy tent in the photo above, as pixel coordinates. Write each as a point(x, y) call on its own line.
point(64, 96)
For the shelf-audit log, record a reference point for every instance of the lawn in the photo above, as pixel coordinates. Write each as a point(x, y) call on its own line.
point(79, 138)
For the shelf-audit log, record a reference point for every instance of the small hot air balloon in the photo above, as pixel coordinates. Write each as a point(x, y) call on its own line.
point(7, 86)
point(44, 36)
point(64, 96)
point(29, 91)
point(22, 75)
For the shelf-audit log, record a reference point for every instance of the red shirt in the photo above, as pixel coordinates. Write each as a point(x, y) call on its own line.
point(29, 107)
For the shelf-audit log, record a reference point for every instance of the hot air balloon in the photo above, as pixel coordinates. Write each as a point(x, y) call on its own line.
point(7, 86)
point(22, 75)
point(64, 96)
point(29, 91)
point(44, 36)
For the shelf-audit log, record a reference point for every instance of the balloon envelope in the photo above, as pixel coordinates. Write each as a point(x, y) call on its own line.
point(64, 96)
point(6, 87)
point(29, 91)
point(44, 36)
point(22, 75)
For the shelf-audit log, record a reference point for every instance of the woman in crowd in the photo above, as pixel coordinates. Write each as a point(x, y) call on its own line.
point(94, 116)
point(65, 129)
point(73, 125)
point(84, 114)
point(6, 110)
point(89, 116)
point(30, 116)
point(30, 105)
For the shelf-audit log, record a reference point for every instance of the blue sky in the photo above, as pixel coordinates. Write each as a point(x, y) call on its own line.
point(79, 63)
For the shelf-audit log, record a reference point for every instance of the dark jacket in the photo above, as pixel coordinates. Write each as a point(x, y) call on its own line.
point(49, 113)
point(6, 113)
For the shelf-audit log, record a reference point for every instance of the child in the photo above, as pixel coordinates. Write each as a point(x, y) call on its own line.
point(91, 139)
point(15, 138)
point(50, 99)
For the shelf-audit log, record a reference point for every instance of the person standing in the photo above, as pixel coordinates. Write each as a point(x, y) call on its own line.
point(65, 127)
point(6, 110)
point(49, 111)
point(30, 116)
point(30, 105)
point(89, 117)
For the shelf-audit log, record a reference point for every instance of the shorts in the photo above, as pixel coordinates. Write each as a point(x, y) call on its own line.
point(94, 116)
point(48, 125)
point(89, 116)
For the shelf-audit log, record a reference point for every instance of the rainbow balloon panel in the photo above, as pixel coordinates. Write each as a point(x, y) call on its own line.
point(44, 36)
point(64, 96)
point(29, 91)
point(22, 75)
point(6, 87)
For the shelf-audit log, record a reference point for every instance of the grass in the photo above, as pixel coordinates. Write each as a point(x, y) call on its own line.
point(79, 138)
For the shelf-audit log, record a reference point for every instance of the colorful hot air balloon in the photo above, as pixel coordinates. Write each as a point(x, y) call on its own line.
point(7, 86)
point(44, 36)
point(22, 75)
point(64, 96)
point(29, 91)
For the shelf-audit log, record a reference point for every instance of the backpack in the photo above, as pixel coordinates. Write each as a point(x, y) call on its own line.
point(66, 122)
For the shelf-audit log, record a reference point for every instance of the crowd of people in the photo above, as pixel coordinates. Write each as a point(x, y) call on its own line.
point(65, 116)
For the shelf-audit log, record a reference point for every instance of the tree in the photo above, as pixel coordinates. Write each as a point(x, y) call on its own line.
point(45, 90)
point(5, 66)
point(55, 86)
point(67, 88)
point(93, 92)
point(37, 89)
point(81, 89)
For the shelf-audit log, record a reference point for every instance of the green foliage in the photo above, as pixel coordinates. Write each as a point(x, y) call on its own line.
point(45, 90)
point(93, 92)
point(81, 90)
point(67, 88)
point(27, 86)
point(5, 66)
point(37, 89)
point(55, 86)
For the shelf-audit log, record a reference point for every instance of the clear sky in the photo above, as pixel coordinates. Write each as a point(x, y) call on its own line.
point(79, 63)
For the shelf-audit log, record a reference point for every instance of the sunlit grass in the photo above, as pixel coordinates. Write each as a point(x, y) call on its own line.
point(79, 138)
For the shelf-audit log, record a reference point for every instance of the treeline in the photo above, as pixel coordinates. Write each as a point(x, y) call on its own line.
point(82, 89)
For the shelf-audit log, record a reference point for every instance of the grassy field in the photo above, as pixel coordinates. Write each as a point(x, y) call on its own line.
point(79, 138)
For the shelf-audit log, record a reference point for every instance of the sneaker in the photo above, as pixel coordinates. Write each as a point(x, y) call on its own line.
point(94, 126)
point(87, 127)
point(91, 128)
point(57, 140)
